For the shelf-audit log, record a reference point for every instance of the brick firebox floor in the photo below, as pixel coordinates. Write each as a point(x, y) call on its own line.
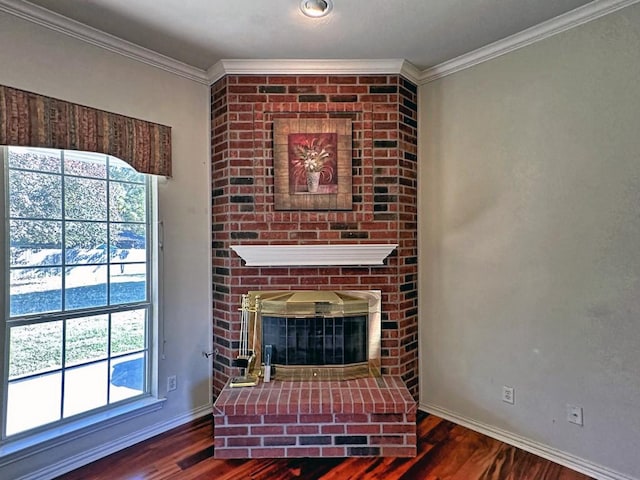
point(281, 419)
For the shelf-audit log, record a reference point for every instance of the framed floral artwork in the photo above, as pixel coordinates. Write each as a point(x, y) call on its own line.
point(312, 163)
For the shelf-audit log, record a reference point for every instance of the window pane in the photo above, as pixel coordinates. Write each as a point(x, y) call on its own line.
point(34, 349)
point(35, 290)
point(41, 159)
point(130, 241)
point(128, 283)
point(127, 377)
point(33, 402)
point(86, 339)
point(35, 195)
point(85, 242)
point(85, 388)
point(85, 199)
point(85, 164)
point(85, 287)
point(127, 202)
point(121, 170)
point(128, 331)
point(35, 243)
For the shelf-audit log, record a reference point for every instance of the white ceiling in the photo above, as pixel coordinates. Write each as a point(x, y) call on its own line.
point(199, 33)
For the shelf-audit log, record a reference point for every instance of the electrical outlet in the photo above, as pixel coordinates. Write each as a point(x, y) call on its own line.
point(172, 383)
point(574, 414)
point(508, 394)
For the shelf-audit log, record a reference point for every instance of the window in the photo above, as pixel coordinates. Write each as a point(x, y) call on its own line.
point(77, 298)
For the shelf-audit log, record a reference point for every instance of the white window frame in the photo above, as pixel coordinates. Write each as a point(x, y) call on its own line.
point(64, 429)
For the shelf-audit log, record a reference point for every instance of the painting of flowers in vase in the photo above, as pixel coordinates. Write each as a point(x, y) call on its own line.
point(312, 163)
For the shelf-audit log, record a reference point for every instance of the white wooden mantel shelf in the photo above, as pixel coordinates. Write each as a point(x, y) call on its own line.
point(314, 255)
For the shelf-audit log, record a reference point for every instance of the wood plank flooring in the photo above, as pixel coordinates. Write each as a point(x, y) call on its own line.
point(446, 451)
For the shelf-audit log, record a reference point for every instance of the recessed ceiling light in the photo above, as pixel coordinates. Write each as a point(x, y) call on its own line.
point(316, 8)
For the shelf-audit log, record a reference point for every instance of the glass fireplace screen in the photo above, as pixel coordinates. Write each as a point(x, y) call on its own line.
point(316, 341)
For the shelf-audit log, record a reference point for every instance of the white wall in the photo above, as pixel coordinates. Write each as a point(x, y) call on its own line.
point(39, 60)
point(529, 243)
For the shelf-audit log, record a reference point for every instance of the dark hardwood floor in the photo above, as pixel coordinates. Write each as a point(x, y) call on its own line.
point(445, 451)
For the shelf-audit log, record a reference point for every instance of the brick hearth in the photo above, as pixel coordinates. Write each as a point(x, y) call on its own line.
point(365, 417)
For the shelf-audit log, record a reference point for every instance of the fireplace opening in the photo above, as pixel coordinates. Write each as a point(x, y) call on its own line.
point(316, 335)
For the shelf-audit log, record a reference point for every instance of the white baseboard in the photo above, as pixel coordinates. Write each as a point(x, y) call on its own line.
point(88, 456)
point(566, 459)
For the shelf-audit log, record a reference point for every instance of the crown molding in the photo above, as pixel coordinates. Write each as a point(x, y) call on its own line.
point(46, 18)
point(215, 72)
point(312, 67)
point(561, 23)
point(410, 71)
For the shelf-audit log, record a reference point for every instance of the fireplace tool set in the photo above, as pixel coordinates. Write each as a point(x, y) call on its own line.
point(248, 359)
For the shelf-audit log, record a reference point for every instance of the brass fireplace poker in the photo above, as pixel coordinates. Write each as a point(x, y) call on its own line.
point(248, 358)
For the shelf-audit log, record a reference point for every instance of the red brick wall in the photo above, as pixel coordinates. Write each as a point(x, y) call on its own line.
point(328, 435)
point(384, 165)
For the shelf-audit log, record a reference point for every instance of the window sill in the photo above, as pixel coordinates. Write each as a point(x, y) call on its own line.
point(14, 450)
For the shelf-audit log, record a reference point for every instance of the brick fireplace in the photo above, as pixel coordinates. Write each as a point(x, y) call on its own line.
point(383, 114)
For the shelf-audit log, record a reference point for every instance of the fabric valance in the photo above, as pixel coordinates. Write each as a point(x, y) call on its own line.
point(29, 119)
